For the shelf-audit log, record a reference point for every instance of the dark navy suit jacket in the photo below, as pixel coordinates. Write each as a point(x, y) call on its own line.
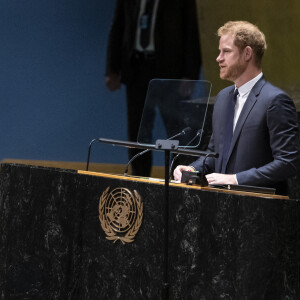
point(265, 144)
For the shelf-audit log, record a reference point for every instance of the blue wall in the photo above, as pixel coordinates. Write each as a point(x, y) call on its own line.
point(52, 90)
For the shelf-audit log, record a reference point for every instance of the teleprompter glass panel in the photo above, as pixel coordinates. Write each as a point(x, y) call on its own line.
point(175, 109)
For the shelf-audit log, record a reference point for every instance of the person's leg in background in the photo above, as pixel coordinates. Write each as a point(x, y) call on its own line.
point(136, 96)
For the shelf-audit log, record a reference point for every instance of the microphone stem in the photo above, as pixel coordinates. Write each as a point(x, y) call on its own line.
point(89, 153)
point(172, 162)
point(134, 157)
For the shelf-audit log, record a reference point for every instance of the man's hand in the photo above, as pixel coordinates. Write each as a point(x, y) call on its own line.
point(113, 82)
point(217, 178)
point(178, 171)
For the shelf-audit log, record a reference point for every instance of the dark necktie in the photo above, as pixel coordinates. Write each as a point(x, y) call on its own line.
point(145, 23)
point(229, 129)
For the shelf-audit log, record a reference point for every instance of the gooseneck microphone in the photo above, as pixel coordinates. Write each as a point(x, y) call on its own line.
point(199, 133)
point(182, 132)
point(89, 153)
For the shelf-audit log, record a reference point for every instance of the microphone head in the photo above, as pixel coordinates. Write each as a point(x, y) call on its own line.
point(200, 131)
point(186, 130)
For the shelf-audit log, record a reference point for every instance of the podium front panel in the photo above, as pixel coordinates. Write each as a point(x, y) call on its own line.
point(220, 244)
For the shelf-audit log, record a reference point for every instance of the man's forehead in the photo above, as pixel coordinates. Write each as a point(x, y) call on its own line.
point(227, 38)
point(226, 41)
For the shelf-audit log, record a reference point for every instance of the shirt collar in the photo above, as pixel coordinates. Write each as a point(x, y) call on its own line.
point(246, 88)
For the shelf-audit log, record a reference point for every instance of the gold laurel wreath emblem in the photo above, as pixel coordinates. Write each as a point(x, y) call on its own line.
point(114, 218)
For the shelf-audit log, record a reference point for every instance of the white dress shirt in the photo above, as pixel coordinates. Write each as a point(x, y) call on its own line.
point(151, 45)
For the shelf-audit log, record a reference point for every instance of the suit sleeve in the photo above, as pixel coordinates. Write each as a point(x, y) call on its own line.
point(284, 141)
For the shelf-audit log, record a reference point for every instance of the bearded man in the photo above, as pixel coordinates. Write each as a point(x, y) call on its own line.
point(255, 127)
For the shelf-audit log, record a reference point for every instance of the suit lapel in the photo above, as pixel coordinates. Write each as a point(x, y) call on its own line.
point(222, 132)
point(250, 102)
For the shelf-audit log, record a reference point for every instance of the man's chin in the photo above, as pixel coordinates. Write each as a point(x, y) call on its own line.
point(226, 76)
point(223, 76)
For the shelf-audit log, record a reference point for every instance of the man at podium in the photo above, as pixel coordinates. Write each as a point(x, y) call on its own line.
point(255, 129)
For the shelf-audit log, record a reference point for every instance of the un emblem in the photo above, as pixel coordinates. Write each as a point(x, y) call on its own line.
point(120, 214)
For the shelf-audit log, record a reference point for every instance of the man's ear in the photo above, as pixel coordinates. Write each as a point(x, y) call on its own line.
point(248, 53)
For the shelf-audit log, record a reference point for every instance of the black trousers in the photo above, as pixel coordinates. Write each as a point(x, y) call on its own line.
point(136, 95)
point(136, 91)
